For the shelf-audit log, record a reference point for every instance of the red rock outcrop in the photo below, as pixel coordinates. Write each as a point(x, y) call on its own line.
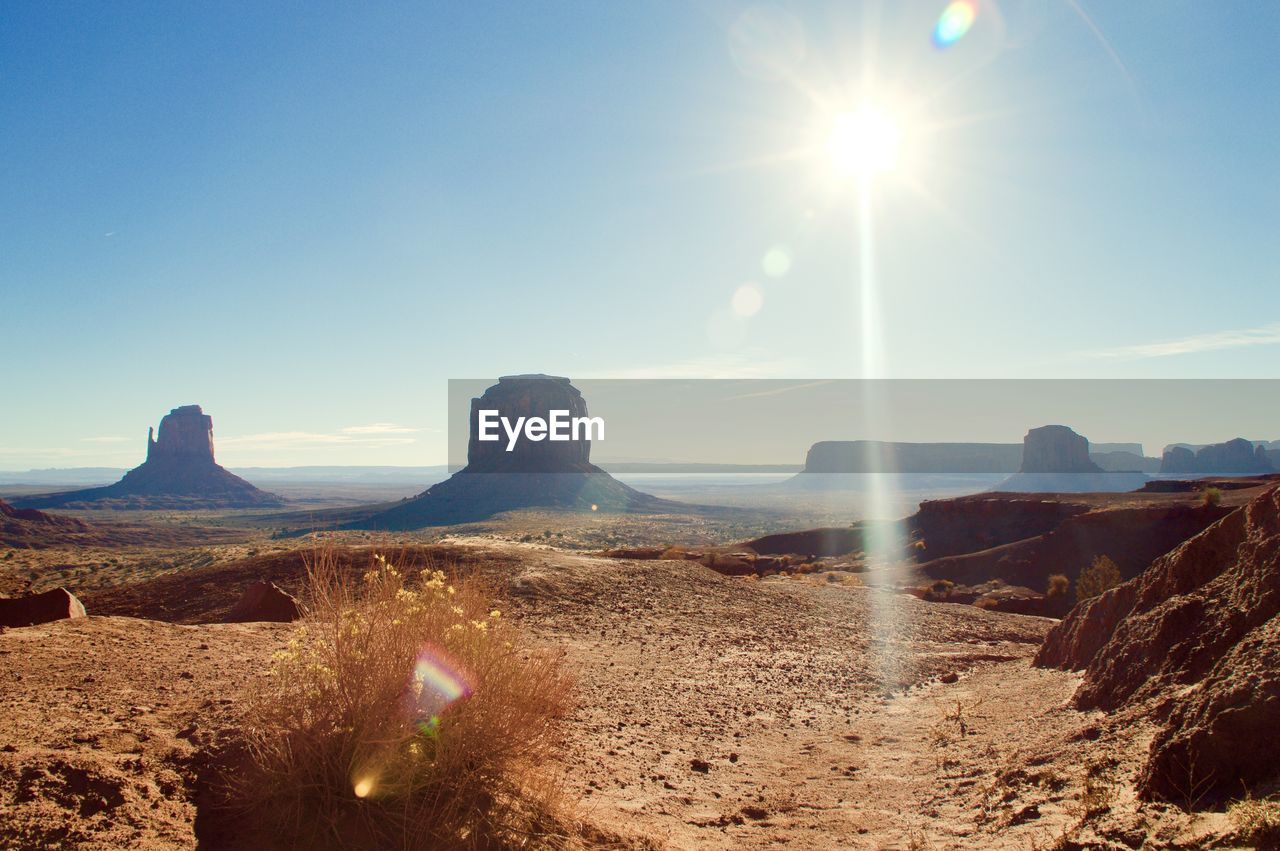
point(265, 601)
point(1196, 639)
point(972, 523)
point(1131, 537)
point(27, 528)
point(58, 604)
point(180, 472)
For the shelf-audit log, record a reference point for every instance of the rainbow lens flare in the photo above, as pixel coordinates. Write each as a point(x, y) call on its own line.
point(953, 23)
point(437, 682)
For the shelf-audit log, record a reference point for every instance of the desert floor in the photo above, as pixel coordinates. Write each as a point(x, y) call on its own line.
point(712, 712)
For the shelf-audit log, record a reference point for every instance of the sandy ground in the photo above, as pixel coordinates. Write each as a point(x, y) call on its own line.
point(712, 713)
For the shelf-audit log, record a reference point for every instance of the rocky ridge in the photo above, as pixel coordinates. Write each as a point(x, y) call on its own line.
point(1193, 642)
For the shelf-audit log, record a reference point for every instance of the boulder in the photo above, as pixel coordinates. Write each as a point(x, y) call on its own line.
point(265, 601)
point(58, 604)
point(1056, 449)
point(1195, 642)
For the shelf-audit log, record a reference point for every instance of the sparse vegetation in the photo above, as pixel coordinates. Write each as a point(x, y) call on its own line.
point(404, 715)
point(1212, 497)
point(1102, 575)
point(1256, 821)
point(1058, 586)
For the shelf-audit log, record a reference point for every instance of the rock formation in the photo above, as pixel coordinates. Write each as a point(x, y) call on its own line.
point(1051, 449)
point(265, 601)
point(1235, 457)
point(1056, 449)
point(535, 474)
point(875, 456)
point(1124, 462)
point(54, 605)
point(529, 396)
point(1195, 641)
point(1056, 460)
point(180, 472)
point(27, 528)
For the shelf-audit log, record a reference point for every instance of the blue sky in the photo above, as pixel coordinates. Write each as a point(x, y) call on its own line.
point(307, 217)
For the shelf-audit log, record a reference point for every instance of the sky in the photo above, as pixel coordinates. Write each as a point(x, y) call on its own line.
point(309, 217)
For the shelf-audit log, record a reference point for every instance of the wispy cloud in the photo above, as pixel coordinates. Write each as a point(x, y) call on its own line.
point(105, 439)
point(1265, 335)
point(777, 391)
point(286, 440)
point(737, 365)
point(379, 428)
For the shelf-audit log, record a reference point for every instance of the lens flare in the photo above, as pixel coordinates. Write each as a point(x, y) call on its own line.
point(363, 787)
point(747, 300)
point(776, 262)
point(437, 683)
point(953, 23)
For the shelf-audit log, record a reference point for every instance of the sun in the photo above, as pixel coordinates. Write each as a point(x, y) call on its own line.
point(864, 142)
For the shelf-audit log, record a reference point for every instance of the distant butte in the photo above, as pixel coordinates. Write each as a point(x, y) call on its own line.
point(543, 474)
point(179, 473)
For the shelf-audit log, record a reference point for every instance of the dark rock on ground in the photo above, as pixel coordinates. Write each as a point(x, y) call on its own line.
point(179, 473)
point(1196, 638)
point(58, 604)
point(265, 601)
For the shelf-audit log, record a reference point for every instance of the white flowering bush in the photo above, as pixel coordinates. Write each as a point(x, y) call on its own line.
point(403, 714)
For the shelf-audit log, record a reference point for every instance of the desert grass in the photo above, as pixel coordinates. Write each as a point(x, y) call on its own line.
point(1256, 820)
point(405, 715)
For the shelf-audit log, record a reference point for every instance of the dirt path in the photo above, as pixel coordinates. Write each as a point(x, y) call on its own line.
point(723, 713)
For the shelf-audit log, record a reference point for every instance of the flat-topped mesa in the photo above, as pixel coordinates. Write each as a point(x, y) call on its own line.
point(1056, 449)
point(516, 396)
point(186, 433)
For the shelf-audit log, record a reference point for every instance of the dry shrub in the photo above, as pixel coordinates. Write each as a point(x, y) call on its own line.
point(940, 590)
point(1100, 576)
point(404, 717)
point(1058, 586)
point(1212, 497)
point(1256, 821)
